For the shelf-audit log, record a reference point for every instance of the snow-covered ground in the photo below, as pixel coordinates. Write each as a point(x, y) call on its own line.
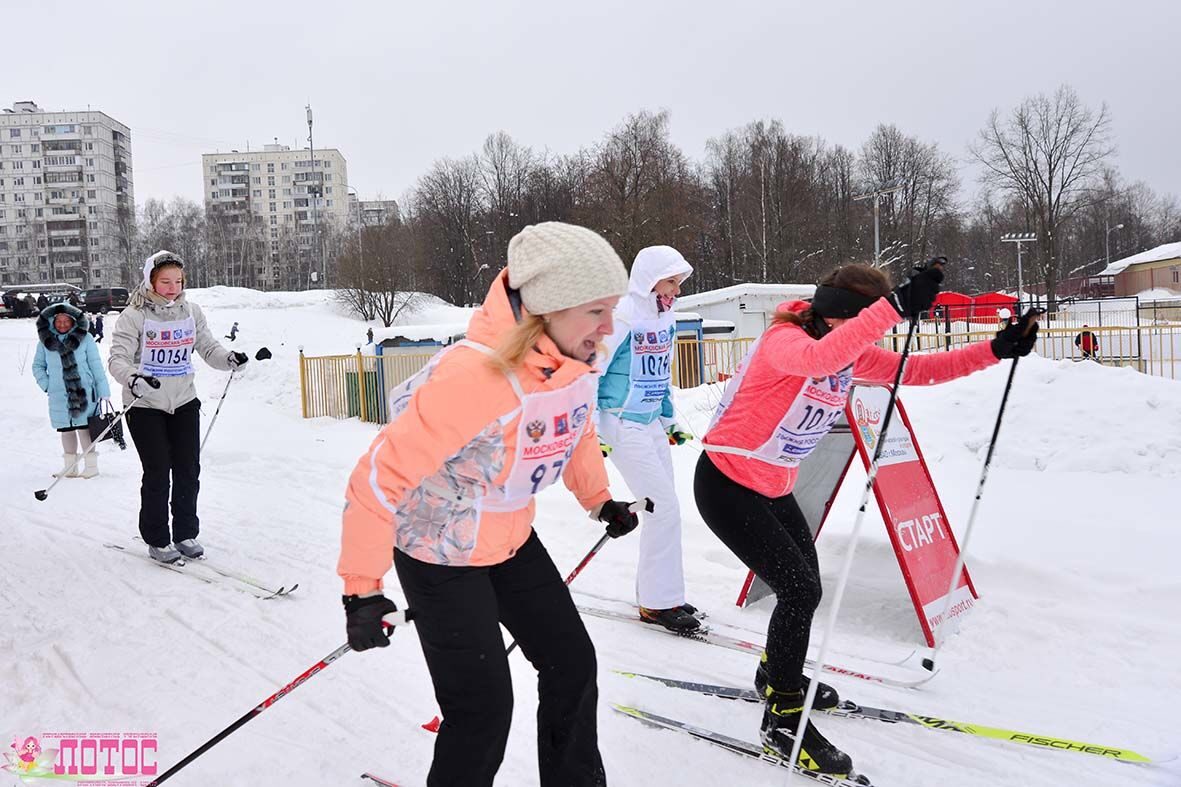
point(1074, 556)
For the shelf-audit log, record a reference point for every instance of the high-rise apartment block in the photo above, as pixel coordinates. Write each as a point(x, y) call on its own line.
point(65, 194)
point(280, 205)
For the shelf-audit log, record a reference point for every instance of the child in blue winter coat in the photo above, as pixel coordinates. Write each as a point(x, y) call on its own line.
point(67, 366)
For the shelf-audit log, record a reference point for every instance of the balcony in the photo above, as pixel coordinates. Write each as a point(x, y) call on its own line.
point(72, 216)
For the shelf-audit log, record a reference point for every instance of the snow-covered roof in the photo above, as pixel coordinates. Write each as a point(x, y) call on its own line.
point(736, 291)
point(1165, 251)
point(438, 331)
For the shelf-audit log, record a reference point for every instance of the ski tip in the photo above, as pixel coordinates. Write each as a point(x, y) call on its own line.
point(292, 589)
point(627, 710)
point(433, 725)
point(928, 665)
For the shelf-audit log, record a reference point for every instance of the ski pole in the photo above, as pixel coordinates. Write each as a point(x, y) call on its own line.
point(846, 567)
point(929, 663)
point(262, 354)
point(42, 494)
point(640, 505)
point(391, 621)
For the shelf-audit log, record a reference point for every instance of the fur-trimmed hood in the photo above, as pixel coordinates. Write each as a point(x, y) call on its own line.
point(50, 337)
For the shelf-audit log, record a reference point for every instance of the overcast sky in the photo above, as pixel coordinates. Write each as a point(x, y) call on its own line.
point(396, 85)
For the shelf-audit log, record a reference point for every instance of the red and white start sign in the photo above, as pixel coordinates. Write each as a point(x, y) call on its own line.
point(917, 524)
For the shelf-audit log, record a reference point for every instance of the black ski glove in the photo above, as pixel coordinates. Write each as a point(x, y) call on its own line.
point(363, 620)
point(262, 354)
point(915, 295)
point(1016, 340)
point(619, 518)
point(238, 360)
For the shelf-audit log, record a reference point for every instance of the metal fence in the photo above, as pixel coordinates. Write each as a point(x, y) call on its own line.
point(355, 386)
point(1151, 349)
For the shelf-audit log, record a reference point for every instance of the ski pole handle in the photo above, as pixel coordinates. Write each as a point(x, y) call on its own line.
point(395, 619)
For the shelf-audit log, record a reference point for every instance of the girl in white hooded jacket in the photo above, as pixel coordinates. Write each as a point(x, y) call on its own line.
point(157, 336)
point(637, 422)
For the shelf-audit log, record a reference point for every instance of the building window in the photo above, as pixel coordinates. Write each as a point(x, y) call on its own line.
point(16, 149)
point(270, 181)
point(1176, 277)
point(94, 225)
point(91, 210)
point(270, 167)
point(330, 203)
point(36, 164)
point(18, 197)
point(18, 165)
point(213, 181)
point(270, 194)
point(88, 131)
point(284, 165)
point(91, 194)
point(272, 207)
point(287, 204)
point(90, 146)
point(14, 133)
point(18, 181)
point(90, 162)
point(255, 167)
point(274, 220)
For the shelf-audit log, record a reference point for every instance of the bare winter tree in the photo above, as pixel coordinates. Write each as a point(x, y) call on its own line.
point(376, 279)
point(1049, 153)
point(911, 217)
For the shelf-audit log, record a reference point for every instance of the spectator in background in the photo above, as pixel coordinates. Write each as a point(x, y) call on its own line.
point(233, 334)
point(42, 302)
point(67, 366)
point(369, 334)
point(1087, 343)
point(96, 328)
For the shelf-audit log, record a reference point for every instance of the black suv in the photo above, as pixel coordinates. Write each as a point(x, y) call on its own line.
point(104, 299)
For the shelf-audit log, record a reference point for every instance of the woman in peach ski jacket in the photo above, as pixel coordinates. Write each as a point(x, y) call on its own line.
point(445, 494)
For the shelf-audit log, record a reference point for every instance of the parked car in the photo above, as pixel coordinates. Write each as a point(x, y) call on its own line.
point(14, 303)
point(103, 299)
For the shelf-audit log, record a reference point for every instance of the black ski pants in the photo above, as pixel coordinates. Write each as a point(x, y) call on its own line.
point(771, 536)
point(458, 612)
point(169, 447)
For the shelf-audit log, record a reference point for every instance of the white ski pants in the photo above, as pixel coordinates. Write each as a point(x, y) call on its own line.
point(641, 453)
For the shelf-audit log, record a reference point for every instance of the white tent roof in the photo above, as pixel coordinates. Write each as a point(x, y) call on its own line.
point(1167, 251)
point(743, 291)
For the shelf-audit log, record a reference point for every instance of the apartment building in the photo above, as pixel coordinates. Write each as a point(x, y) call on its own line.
point(275, 208)
point(372, 212)
point(65, 184)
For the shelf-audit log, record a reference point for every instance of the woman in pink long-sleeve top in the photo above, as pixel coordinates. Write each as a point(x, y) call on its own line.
point(788, 393)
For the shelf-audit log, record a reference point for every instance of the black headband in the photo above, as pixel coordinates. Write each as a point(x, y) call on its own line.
point(838, 303)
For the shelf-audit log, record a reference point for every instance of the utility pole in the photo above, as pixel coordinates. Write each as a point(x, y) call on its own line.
point(314, 191)
point(1019, 238)
point(877, 195)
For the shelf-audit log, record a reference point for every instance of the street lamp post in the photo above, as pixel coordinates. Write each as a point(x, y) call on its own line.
point(1019, 238)
point(877, 195)
point(1107, 238)
point(360, 236)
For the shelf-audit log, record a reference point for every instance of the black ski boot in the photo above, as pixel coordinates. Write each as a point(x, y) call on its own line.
point(676, 620)
point(781, 719)
point(826, 696)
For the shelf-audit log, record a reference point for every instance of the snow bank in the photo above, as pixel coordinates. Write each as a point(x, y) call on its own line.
point(1074, 556)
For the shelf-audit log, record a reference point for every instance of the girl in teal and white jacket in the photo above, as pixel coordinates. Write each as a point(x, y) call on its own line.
point(636, 419)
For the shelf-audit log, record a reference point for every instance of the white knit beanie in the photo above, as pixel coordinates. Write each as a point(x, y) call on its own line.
point(556, 266)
